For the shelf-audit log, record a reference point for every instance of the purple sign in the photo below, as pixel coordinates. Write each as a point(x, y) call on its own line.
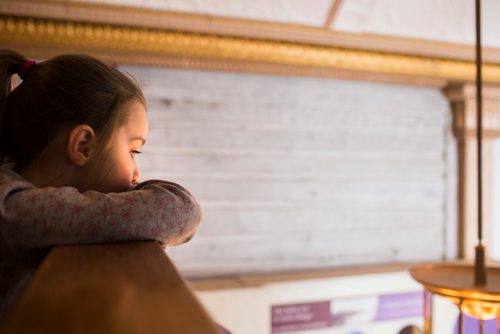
point(345, 312)
point(303, 316)
point(401, 305)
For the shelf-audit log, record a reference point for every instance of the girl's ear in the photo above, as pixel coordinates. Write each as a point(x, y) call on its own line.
point(80, 144)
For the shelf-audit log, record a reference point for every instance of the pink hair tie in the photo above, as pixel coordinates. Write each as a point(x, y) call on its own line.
point(25, 68)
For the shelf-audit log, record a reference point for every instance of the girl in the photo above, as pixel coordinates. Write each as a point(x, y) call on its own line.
point(69, 136)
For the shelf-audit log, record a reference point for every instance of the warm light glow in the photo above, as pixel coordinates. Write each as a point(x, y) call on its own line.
point(480, 309)
point(472, 302)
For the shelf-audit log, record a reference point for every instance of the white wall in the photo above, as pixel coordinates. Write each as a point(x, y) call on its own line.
point(359, 298)
point(296, 173)
point(494, 231)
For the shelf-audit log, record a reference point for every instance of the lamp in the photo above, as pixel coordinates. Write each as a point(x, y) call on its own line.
point(475, 289)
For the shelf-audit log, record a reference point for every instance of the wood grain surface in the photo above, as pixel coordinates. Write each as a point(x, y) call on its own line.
point(114, 288)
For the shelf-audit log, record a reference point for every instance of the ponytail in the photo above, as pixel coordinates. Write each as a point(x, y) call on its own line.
point(11, 63)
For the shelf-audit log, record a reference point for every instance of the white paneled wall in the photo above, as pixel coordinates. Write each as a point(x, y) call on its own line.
point(297, 173)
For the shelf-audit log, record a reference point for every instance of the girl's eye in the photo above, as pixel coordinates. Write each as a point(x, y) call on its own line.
point(133, 153)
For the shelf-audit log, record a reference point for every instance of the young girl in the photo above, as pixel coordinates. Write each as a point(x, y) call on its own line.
point(69, 136)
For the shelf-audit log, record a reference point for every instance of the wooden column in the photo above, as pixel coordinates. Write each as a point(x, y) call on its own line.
point(463, 101)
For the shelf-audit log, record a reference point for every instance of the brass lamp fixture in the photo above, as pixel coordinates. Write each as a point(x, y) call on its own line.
point(475, 289)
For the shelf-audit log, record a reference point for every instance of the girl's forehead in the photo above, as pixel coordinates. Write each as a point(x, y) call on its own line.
point(137, 121)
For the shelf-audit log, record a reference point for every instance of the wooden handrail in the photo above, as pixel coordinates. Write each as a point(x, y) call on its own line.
point(112, 288)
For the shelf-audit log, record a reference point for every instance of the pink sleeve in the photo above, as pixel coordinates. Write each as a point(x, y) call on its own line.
point(39, 217)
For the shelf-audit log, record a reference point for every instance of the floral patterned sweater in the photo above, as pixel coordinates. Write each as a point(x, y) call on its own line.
point(32, 220)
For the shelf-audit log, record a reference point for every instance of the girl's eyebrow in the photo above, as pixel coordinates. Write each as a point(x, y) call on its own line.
point(138, 138)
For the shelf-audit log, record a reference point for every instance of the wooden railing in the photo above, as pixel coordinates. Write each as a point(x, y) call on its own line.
point(113, 288)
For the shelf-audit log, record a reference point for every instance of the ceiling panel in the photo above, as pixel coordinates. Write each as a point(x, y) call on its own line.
point(301, 12)
point(437, 20)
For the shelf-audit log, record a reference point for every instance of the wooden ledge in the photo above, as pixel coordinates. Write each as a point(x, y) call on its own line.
point(252, 281)
point(114, 288)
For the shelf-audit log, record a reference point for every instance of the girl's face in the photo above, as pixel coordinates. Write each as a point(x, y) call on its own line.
point(115, 168)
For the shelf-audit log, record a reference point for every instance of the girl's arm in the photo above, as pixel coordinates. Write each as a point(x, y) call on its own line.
point(39, 217)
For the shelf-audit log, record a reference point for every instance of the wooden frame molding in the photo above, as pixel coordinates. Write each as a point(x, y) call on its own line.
point(136, 45)
point(43, 28)
point(332, 13)
point(74, 11)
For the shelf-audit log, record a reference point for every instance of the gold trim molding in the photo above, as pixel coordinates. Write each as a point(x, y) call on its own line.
point(76, 11)
point(136, 45)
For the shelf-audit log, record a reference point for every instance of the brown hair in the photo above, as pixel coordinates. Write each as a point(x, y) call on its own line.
point(63, 91)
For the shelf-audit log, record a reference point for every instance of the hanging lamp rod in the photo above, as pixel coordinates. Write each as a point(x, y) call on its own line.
point(480, 277)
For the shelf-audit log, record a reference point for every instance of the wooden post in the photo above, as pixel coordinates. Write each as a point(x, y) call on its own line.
point(463, 102)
